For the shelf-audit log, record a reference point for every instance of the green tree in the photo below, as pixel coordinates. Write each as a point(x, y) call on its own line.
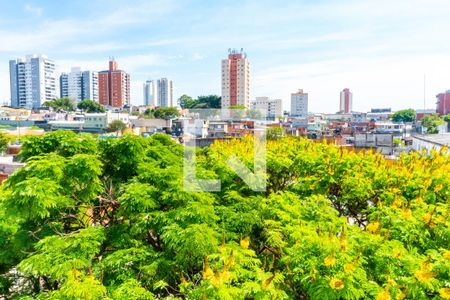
point(210, 101)
point(90, 106)
point(116, 126)
point(405, 115)
point(186, 101)
point(60, 104)
point(274, 133)
point(109, 218)
point(166, 113)
point(447, 118)
point(4, 141)
point(431, 123)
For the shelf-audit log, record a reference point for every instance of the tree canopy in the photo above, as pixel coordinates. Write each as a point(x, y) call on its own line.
point(405, 115)
point(96, 218)
point(210, 101)
point(60, 104)
point(431, 123)
point(90, 106)
point(162, 113)
point(116, 126)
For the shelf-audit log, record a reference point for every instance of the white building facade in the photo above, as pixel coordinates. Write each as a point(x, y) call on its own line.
point(79, 85)
point(272, 107)
point(33, 81)
point(299, 104)
point(165, 92)
point(235, 80)
point(150, 96)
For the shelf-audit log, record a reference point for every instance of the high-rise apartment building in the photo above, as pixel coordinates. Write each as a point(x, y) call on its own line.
point(113, 86)
point(33, 80)
point(272, 107)
point(79, 85)
point(165, 92)
point(235, 79)
point(443, 103)
point(89, 82)
point(346, 101)
point(150, 96)
point(75, 86)
point(64, 85)
point(299, 104)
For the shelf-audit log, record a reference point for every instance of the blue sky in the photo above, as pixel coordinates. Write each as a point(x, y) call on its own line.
point(379, 49)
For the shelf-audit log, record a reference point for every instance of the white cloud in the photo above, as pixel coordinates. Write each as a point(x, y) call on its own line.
point(34, 10)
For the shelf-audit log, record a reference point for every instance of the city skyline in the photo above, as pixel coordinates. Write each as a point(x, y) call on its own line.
point(380, 54)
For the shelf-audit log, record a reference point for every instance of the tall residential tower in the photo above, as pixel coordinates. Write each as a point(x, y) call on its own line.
point(79, 85)
point(165, 92)
point(33, 81)
point(113, 86)
point(346, 101)
point(150, 96)
point(299, 104)
point(235, 79)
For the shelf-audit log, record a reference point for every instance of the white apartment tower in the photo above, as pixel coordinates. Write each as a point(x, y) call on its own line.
point(150, 96)
point(79, 85)
point(272, 107)
point(75, 85)
point(165, 92)
point(89, 83)
point(235, 79)
point(33, 80)
point(299, 104)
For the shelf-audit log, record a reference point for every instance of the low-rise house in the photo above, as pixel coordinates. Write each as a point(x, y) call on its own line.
point(431, 141)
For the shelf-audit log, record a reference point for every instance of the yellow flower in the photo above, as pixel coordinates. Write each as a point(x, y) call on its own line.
point(336, 284)
point(427, 217)
point(217, 279)
point(400, 296)
point(446, 254)
point(424, 276)
point(438, 188)
point(397, 252)
point(373, 227)
point(406, 213)
point(349, 268)
point(330, 260)
point(207, 272)
point(384, 295)
point(444, 293)
point(245, 242)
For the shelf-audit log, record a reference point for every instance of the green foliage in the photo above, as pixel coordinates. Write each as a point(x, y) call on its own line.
point(90, 106)
point(210, 101)
point(4, 141)
point(274, 133)
point(431, 123)
point(91, 218)
point(405, 115)
point(447, 118)
point(63, 142)
point(162, 113)
point(60, 104)
point(116, 126)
